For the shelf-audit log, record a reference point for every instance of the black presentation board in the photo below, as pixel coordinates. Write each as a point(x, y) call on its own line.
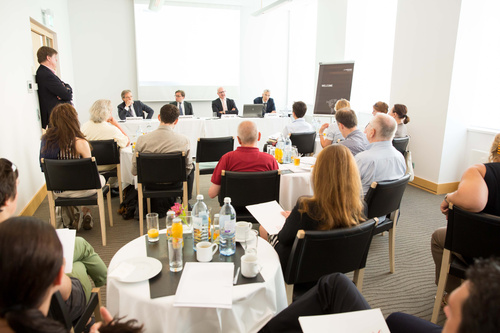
point(334, 83)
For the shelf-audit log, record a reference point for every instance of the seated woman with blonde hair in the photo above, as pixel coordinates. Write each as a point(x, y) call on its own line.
point(336, 202)
point(478, 192)
point(333, 134)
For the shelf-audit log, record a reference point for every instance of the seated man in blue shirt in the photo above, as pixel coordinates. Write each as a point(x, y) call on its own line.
point(355, 140)
point(380, 161)
point(268, 102)
point(298, 125)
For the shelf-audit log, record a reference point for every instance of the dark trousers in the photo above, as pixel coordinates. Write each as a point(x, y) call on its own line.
point(334, 293)
point(404, 323)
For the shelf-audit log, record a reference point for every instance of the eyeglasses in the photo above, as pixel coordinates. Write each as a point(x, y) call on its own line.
point(220, 92)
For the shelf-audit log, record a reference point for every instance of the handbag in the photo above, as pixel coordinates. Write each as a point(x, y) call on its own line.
point(409, 165)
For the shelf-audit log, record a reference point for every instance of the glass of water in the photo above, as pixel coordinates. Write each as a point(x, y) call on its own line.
point(175, 254)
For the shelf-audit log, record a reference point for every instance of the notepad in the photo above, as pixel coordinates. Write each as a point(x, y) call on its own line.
point(67, 239)
point(366, 321)
point(269, 215)
point(206, 285)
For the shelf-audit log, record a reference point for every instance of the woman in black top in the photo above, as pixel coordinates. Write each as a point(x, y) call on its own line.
point(336, 203)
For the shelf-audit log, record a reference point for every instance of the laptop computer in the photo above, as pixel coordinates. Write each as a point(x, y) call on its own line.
point(252, 110)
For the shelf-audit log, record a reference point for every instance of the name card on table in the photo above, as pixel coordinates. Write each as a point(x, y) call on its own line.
point(272, 115)
point(186, 116)
point(134, 118)
point(366, 321)
point(269, 215)
point(225, 116)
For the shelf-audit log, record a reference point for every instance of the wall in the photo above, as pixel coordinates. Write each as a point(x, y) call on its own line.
point(424, 49)
point(19, 124)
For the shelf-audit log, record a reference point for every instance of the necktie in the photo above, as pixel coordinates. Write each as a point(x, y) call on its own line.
point(224, 105)
point(180, 109)
point(132, 111)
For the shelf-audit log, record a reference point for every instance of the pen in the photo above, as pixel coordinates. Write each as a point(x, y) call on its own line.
point(236, 275)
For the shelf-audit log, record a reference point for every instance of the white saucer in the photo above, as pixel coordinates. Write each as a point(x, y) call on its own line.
point(144, 269)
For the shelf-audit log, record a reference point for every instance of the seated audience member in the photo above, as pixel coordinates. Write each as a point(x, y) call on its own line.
point(355, 140)
point(85, 261)
point(223, 105)
point(380, 161)
point(478, 192)
point(164, 140)
point(380, 107)
point(474, 307)
point(64, 141)
point(246, 157)
point(185, 108)
point(102, 125)
point(131, 108)
point(268, 102)
point(32, 271)
point(336, 202)
point(299, 124)
point(400, 113)
point(333, 134)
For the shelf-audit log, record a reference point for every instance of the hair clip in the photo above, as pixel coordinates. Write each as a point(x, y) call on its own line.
point(14, 167)
point(498, 149)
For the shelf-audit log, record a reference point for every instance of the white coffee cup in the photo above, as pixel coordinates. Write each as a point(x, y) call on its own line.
point(250, 265)
point(204, 252)
point(241, 230)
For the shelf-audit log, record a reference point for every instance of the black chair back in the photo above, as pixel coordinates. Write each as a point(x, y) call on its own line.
point(75, 174)
point(161, 168)
point(248, 188)
point(317, 253)
point(473, 235)
point(105, 151)
point(401, 144)
point(384, 197)
point(212, 149)
point(58, 311)
point(304, 142)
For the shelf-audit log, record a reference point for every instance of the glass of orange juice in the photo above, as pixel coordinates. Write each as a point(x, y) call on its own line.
point(153, 227)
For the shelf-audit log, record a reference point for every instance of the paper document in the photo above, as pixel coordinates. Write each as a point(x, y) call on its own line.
point(206, 285)
point(269, 215)
point(366, 321)
point(67, 239)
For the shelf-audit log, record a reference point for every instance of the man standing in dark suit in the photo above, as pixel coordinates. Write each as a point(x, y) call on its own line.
point(268, 102)
point(223, 105)
point(51, 90)
point(131, 108)
point(185, 108)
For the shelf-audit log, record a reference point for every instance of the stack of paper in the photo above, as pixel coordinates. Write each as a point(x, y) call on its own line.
point(366, 321)
point(206, 285)
point(269, 215)
point(67, 239)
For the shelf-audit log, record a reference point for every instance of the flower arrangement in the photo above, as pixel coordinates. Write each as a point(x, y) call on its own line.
point(180, 212)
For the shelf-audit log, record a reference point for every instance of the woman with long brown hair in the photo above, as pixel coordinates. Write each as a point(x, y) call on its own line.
point(336, 203)
point(64, 140)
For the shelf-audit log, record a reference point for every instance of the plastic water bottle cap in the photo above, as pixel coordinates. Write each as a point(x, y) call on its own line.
point(199, 197)
point(170, 212)
point(177, 220)
point(227, 200)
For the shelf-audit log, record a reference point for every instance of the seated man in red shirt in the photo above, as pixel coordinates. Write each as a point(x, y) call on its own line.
point(247, 157)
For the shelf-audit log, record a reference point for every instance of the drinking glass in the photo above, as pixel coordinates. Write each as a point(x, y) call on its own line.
point(175, 254)
point(153, 227)
point(270, 150)
point(250, 243)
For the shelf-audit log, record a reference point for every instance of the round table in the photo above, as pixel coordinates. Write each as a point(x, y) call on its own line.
point(253, 306)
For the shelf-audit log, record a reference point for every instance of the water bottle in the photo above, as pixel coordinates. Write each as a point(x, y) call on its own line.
point(227, 221)
point(170, 220)
point(200, 221)
point(287, 155)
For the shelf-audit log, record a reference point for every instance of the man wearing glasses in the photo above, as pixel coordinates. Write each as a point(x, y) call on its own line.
point(223, 105)
point(185, 108)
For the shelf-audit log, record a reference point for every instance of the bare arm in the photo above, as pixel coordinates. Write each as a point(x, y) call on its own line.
point(114, 122)
point(83, 148)
point(472, 192)
point(213, 191)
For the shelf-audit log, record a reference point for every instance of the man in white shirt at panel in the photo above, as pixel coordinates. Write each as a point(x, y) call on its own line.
point(380, 161)
point(299, 124)
point(185, 108)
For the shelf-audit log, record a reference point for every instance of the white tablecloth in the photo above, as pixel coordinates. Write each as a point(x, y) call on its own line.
point(195, 128)
point(294, 185)
point(254, 304)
